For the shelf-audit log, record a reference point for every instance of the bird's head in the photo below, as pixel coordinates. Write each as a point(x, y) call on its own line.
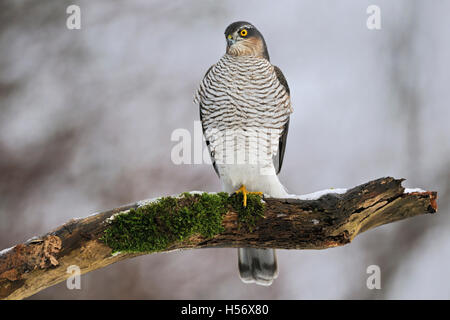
point(243, 39)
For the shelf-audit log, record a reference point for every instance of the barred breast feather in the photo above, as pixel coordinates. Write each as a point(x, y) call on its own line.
point(244, 109)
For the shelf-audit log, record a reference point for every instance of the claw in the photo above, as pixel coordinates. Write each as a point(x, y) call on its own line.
point(244, 191)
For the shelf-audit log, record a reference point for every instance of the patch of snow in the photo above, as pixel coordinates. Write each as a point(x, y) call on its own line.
point(147, 201)
point(33, 239)
point(316, 195)
point(315, 221)
point(411, 190)
point(116, 214)
point(4, 251)
point(201, 192)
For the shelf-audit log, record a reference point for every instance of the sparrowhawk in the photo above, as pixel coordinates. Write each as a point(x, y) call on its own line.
point(245, 106)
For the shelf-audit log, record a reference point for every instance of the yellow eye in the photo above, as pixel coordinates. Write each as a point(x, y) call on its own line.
point(244, 32)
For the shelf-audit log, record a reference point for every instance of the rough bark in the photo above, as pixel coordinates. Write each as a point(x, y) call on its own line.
point(330, 221)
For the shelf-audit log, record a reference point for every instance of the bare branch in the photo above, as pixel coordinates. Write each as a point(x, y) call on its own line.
point(332, 220)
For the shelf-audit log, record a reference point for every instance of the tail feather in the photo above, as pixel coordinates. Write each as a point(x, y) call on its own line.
point(257, 265)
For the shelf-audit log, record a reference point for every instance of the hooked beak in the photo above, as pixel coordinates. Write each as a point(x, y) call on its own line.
point(230, 41)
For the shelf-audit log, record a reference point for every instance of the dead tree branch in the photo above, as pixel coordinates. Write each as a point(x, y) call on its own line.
point(332, 220)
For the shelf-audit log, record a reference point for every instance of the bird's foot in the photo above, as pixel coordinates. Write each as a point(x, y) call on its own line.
point(244, 191)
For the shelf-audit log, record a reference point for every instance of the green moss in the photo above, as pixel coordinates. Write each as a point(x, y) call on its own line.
point(156, 226)
point(248, 216)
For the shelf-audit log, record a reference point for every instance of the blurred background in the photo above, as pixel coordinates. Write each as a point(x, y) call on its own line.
point(86, 118)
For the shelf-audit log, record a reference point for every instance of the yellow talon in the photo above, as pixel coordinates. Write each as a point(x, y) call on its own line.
point(244, 191)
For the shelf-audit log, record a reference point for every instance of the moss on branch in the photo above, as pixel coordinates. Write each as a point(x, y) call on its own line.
point(158, 225)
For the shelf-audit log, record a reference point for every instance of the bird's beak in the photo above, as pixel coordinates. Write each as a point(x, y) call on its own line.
point(231, 41)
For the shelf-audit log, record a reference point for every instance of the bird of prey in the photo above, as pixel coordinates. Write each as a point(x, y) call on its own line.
point(245, 106)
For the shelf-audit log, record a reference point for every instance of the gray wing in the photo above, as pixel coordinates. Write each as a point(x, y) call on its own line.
point(207, 142)
point(278, 159)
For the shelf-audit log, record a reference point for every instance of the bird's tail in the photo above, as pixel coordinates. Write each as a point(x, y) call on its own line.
point(257, 265)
